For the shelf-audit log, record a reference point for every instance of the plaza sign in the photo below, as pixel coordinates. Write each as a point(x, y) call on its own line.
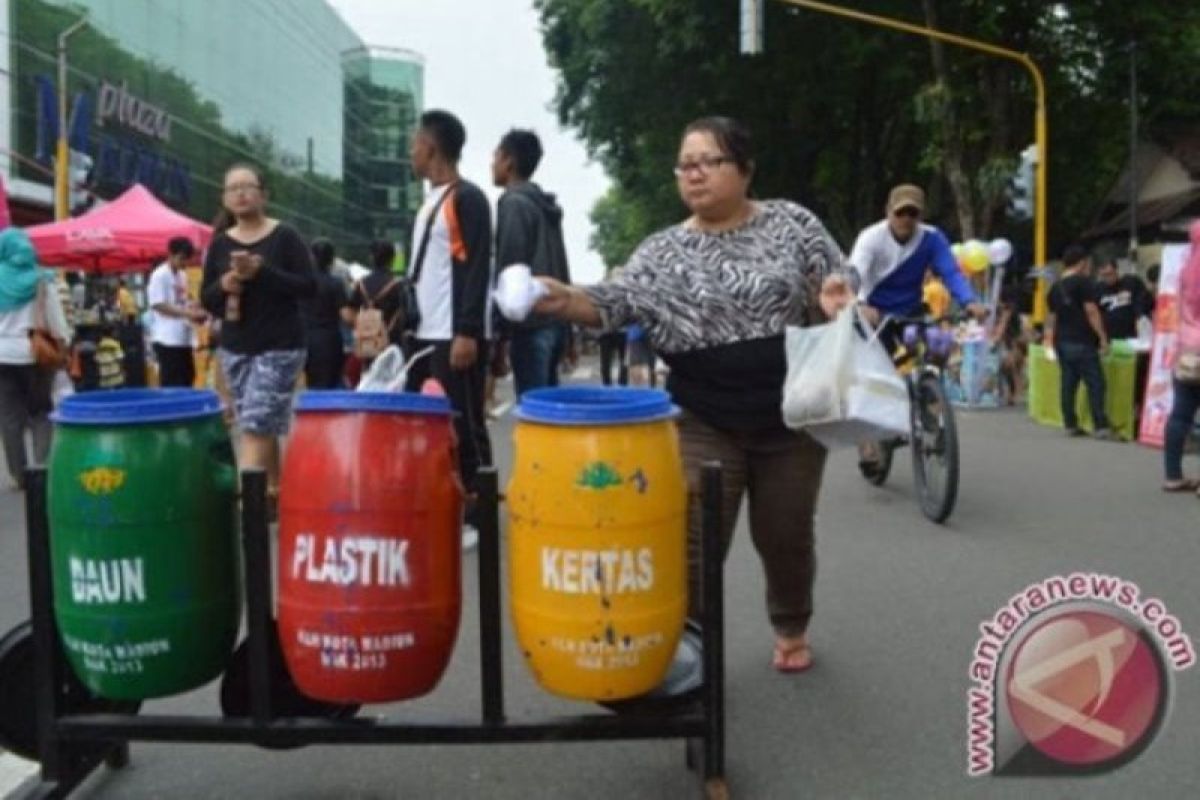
point(117, 104)
point(119, 157)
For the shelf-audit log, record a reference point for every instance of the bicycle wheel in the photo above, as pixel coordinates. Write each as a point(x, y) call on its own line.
point(935, 448)
point(877, 474)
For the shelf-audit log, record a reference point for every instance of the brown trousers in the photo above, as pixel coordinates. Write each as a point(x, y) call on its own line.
point(781, 472)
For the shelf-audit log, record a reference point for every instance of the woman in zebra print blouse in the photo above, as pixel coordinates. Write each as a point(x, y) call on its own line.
point(713, 295)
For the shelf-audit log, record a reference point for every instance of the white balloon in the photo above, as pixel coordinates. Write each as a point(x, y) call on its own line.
point(1000, 251)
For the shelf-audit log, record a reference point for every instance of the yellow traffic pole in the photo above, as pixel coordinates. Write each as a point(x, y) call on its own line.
point(62, 151)
point(1041, 137)
point(1041, 126)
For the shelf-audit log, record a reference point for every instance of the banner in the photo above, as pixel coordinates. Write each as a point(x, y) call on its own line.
point(1159, 391)
point(973, 374)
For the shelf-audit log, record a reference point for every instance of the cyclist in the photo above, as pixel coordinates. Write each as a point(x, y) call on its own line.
point(891, 258)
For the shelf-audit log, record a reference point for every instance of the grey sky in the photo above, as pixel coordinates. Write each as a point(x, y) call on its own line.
point(485, 62)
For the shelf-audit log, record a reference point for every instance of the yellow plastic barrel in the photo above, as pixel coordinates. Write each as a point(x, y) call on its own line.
point(597, 539)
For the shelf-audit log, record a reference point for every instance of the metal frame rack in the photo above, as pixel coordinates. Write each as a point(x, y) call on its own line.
point(72, 746)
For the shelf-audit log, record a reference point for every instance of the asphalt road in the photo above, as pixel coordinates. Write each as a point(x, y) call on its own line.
point(883, 712)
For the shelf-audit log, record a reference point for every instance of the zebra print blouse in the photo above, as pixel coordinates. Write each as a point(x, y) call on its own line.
point(692, 289)
point(714, 306)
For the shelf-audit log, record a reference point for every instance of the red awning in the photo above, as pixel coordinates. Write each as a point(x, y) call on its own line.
point(129, 234)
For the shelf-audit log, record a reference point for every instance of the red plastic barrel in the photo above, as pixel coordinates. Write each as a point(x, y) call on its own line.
point(370, 564)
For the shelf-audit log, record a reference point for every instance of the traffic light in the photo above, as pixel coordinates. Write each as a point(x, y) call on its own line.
point(1022, 186)
point(79, 182)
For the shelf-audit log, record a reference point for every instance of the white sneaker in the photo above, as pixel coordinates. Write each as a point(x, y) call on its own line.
point(470, 538)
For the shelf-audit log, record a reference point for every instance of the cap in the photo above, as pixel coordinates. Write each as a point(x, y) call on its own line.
point(906, 195)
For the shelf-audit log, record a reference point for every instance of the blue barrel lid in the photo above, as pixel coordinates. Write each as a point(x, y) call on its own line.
point(595, 405)
point(378, 402)
point(107, 407)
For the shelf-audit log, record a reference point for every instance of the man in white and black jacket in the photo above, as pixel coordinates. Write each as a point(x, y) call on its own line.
point(529, 232)
point(451, 264)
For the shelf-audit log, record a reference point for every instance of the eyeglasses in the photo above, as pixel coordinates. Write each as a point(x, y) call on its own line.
point(242, 188)
point(907, 211)
point(703, 165)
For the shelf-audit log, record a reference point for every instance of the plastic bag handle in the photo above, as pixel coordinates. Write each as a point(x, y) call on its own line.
point(397, 383)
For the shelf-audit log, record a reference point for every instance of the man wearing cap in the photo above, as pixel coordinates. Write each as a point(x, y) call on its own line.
point(892, 256)
point(174, 314)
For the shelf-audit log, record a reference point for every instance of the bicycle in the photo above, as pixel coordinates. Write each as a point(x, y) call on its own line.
point(934, 434)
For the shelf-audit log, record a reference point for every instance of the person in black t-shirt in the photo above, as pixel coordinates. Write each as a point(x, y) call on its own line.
point(1075, 331)
point(1122, 300)
point(256, 272)
point(323, 323)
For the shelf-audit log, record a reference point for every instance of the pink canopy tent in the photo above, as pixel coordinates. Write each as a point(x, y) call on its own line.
point(129, 234)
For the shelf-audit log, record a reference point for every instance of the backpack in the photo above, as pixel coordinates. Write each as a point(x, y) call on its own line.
point(371, 335)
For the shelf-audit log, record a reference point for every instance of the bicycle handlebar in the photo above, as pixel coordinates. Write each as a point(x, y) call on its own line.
point(952, 319)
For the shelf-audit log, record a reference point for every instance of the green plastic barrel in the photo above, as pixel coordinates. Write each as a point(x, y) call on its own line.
point(144, 540)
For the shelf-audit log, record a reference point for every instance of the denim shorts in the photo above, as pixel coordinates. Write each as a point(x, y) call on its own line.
point(262, 386)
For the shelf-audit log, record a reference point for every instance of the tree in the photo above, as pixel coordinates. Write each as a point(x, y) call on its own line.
point(841, 111)
point(618, 225)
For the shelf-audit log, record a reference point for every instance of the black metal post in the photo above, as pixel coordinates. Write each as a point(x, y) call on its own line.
point(490, 650)
point(41, 607)
point(1133, 147)
point(714, 622)
point(256, 550)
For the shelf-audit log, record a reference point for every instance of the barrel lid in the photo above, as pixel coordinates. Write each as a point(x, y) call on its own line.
point(377, 402)
point(595, 405)
point(107, 407)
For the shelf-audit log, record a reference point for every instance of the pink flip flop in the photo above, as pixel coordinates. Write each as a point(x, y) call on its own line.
point(792, 658)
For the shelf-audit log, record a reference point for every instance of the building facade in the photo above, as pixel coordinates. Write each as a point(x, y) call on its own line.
point(384, 97)
point(169, 93)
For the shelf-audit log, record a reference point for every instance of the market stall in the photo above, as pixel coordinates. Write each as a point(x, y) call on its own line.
point(1120, 378)
point(128, 235)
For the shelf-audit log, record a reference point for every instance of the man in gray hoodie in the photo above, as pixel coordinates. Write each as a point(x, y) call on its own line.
point(529, 231)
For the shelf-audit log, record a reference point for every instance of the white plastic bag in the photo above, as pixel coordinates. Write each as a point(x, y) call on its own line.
point(841, 385)
point(517, 292)
point(817, 361)
point(389, 371)
point(877, 399)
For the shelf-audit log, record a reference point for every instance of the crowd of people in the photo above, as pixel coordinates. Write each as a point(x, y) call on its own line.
point(709, 296)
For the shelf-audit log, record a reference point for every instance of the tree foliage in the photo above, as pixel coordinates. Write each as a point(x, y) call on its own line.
point(841, 110)
point(619, 223)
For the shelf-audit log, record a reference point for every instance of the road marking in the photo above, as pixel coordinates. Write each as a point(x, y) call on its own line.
point(14, 771)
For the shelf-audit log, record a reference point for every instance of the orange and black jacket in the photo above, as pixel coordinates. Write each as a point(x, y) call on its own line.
point(469, 216)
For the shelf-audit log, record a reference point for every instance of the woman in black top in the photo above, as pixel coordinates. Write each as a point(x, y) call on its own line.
point(713, 295)
point(256, 272)
point(322, 322)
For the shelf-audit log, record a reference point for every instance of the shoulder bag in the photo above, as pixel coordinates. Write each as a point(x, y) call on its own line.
point(48, 351)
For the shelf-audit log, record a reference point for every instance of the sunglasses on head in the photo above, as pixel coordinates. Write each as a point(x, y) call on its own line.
point(907, 211)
